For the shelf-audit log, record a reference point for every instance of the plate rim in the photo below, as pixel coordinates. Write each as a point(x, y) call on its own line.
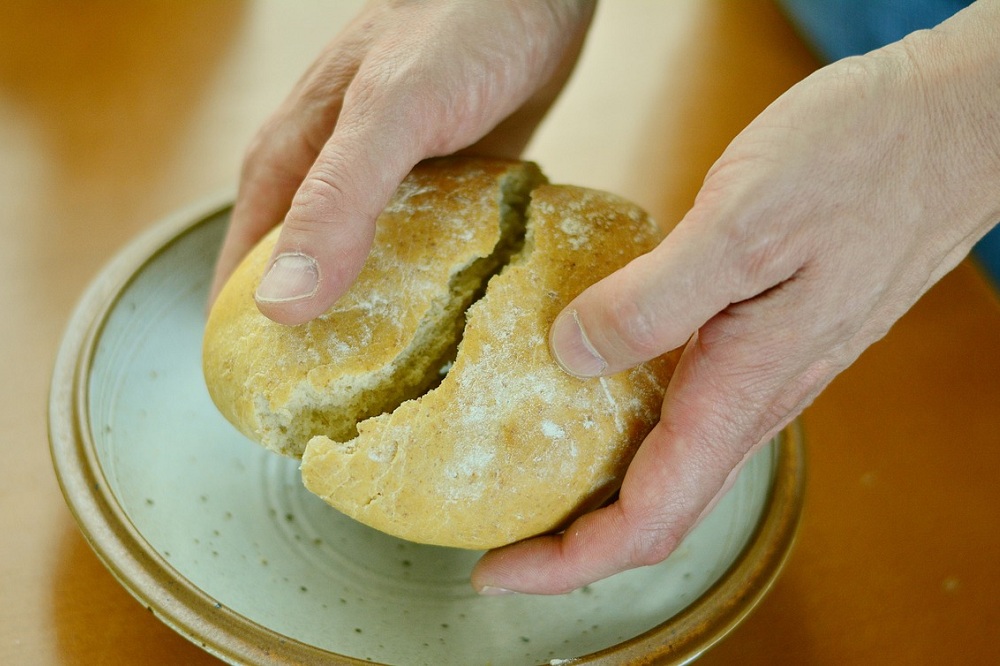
point(236, 639)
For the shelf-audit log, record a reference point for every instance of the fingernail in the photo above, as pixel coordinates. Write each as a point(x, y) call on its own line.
point(291, 277)
point(491, 591)
point(572, 349)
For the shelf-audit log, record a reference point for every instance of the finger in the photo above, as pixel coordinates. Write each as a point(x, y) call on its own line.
point(265, 193)
point(282, 152)
point(329, 228)
point(657, 301)
point(739, 380)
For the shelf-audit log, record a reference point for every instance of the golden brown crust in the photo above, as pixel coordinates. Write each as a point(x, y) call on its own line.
point(507, 446)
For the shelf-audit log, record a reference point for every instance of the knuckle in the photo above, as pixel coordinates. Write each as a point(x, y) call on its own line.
point(652, 545)
point(761, 253)
point(318, 189)
point(322, 198)
point(654, 532)
point(756, 264)
point(444, 103)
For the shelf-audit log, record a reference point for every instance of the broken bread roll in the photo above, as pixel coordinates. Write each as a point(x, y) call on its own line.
point(425, 403)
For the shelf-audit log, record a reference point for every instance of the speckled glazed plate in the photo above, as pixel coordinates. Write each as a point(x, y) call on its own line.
point(220, 540)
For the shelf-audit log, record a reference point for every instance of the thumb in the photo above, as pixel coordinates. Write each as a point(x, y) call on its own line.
point(657, 301)
point(328, 231)
point(637, 312)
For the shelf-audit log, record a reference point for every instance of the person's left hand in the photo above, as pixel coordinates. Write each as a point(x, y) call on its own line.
point(401, 83)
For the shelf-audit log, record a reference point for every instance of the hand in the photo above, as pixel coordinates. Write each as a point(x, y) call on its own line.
point(403, 82)
point(818, 227)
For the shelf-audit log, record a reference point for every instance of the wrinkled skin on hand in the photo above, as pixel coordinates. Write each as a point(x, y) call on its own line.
point(403, 82)
point(819, 226)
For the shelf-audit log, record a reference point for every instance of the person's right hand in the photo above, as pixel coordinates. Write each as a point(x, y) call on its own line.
point(818, 227)
point(403, 82)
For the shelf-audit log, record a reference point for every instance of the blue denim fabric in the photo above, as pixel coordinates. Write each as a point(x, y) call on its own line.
point(839, 28)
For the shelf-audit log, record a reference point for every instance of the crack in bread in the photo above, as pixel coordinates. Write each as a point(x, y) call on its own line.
point(442, 236)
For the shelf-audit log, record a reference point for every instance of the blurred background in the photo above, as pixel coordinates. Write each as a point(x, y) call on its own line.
point(113, 115)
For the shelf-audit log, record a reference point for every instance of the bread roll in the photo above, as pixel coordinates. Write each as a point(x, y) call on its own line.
point(425, 402)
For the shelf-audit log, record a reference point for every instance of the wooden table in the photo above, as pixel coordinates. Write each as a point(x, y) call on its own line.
point(114, 114)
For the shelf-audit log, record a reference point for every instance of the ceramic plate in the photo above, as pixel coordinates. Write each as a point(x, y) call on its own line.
point(220, 540)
